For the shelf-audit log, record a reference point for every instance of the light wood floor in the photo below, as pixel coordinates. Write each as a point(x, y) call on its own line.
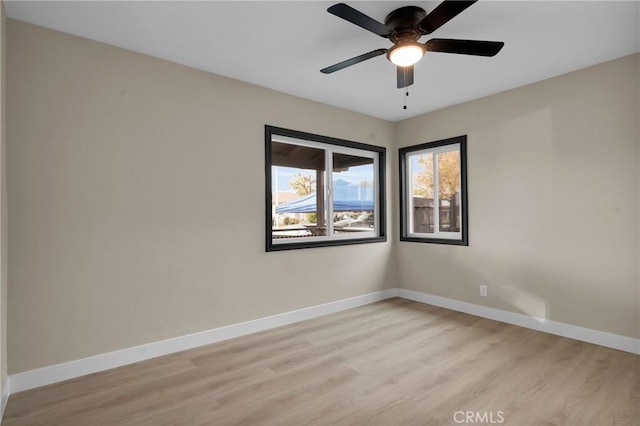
point(394, 362)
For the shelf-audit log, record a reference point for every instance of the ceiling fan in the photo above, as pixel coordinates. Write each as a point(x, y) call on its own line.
point(404, 27)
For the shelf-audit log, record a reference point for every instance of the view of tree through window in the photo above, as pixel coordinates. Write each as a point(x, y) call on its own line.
point(423, 184)
point(304, 185)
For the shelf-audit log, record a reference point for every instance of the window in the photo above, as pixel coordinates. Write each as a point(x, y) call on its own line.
point(308, 207)
point(433, 190)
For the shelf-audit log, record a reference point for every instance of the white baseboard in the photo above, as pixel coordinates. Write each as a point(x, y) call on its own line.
point(601, 338)
point(69, 370)
point(5, 398)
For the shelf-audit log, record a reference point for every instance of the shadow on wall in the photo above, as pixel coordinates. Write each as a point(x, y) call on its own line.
point(538, 289)
point(521, 287)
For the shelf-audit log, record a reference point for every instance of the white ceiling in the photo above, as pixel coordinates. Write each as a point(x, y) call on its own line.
point(283, 45)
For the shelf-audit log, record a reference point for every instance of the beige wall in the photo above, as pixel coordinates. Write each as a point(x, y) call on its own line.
point(121, 169)
point(136, 189)
point(553, 200)
point(3, 210)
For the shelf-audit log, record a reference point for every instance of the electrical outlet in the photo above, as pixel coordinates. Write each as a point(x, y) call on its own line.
point(483, 290)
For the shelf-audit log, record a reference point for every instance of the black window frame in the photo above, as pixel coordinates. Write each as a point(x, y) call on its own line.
point(270, 131)
point(464, 215)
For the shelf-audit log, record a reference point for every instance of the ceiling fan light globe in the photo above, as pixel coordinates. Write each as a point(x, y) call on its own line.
point(406, 54)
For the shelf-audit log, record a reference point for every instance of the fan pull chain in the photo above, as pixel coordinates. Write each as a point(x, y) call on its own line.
point(406, 88)
point(405, 98)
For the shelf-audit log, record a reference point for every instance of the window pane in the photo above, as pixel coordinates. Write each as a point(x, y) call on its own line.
point(353, 194)
point(449, 191)
point(297, 175)
point(317, 183)
point(433, 192)
point(422, 184)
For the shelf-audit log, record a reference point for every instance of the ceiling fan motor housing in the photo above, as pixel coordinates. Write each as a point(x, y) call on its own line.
point(403, 23)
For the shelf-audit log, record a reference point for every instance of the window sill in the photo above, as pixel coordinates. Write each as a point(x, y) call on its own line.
point(326, 243)
point(462, 242)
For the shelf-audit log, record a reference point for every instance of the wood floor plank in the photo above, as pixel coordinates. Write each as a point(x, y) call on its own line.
point(395, 362)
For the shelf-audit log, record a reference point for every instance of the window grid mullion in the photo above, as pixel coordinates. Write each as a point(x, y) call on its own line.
point(409, 212)
point(459, 191)
point(329, 192)
point(436, 198)
point(376, 196)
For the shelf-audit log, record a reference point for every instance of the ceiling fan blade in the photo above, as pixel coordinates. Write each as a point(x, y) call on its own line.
point(405, 76)
point(350, 14)
point(353, 61)
point(442, 14)
point(464, 47)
